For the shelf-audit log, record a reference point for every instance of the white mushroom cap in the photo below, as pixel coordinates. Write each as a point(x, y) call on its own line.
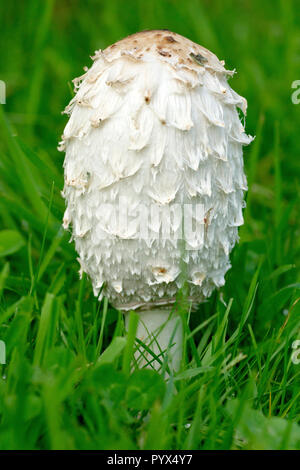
point(154, 124)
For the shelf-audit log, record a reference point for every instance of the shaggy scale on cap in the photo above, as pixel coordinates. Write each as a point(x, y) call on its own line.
point(154, 123)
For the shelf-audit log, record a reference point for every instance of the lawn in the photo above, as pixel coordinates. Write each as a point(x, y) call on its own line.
point(69, 381)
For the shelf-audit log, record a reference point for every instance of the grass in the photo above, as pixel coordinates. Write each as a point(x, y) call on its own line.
point(70, 380)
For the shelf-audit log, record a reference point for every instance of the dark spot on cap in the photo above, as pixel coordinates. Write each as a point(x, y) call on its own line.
point(164, 53)
point(162, 270)
point(170, 39)
point(199, 58)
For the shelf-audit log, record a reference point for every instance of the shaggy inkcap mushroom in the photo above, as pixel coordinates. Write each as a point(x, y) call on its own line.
point(153, 146)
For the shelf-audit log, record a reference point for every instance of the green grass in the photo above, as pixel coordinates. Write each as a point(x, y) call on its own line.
point(70, 380)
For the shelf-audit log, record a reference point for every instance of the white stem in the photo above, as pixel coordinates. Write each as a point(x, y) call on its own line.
point(162, 332)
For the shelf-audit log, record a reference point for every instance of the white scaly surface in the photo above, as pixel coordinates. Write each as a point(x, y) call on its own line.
point(154, 122)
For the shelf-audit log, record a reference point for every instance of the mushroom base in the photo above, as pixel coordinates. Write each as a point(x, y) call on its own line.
point(162, 332)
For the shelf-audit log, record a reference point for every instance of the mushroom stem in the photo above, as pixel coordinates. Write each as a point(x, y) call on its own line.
point(161, 330)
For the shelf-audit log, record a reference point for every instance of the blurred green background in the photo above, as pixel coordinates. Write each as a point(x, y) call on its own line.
point(54, 392)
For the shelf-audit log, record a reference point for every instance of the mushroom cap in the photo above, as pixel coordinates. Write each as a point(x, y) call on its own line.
point(174, 48)
point(153, 147)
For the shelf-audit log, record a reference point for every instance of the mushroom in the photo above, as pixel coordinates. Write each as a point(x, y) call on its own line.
point(154, 178)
